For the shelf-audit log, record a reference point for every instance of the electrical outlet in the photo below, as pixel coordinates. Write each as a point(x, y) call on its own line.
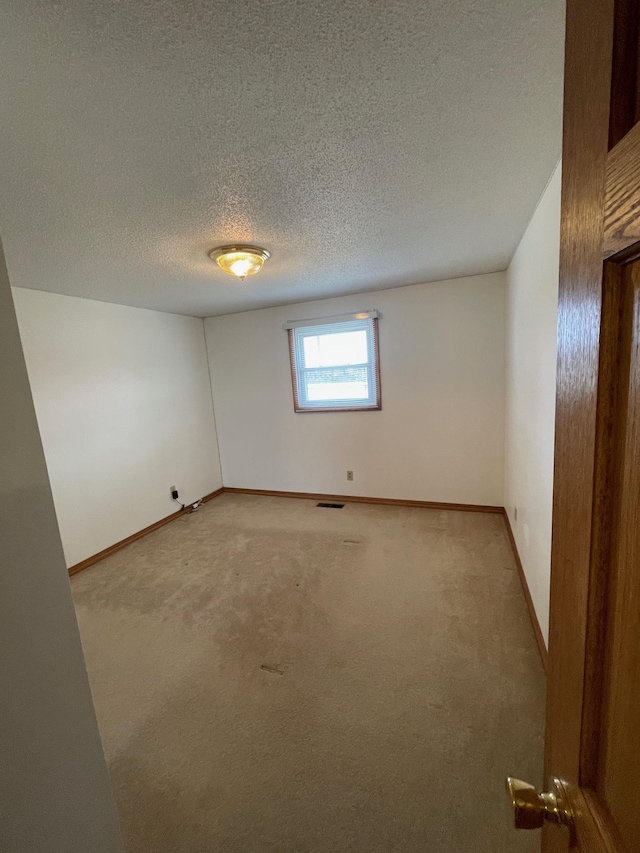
point(349, 475)
point(172, 489)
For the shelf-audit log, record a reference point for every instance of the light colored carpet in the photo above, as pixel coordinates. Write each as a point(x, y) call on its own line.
point(271, 676)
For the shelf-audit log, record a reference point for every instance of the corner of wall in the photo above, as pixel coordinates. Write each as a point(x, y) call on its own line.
point(531, 322)
point(213, 405)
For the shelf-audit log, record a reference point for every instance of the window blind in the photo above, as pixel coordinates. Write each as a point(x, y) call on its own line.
point(327, 321)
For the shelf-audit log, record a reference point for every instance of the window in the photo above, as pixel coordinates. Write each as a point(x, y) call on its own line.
point(334, 363)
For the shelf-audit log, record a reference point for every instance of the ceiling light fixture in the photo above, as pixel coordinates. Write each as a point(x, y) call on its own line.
point(240, 261)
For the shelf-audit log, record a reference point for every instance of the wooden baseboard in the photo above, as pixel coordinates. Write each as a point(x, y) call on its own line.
point(95, 558)
point(316, 496)
point(212, 495)
point(542, 648)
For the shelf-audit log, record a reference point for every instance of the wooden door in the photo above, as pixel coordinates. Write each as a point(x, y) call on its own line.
point(593, 706)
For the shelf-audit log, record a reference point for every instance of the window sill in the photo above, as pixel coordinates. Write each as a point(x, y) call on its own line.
point(319, 411)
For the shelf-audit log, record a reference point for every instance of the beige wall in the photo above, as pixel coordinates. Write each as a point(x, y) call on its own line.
point(124, 406)
point(532, 307)
point(440, 434)
point(54, 786)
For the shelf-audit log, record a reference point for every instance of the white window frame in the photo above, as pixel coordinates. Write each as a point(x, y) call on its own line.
point(298, 329)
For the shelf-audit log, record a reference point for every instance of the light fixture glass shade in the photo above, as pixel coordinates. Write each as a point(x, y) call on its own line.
point(240, 261)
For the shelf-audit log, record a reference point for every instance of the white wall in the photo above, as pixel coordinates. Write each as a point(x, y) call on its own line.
point(54, 786)
point(440, 434)
point(532, 303)
point(124, 406)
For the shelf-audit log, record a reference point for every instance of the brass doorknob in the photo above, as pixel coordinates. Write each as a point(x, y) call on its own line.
point(531, 808)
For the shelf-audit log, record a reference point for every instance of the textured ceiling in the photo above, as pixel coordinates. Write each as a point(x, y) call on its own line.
point(365, 143)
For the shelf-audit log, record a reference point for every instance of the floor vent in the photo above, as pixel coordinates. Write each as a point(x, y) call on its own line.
point(331, 506)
